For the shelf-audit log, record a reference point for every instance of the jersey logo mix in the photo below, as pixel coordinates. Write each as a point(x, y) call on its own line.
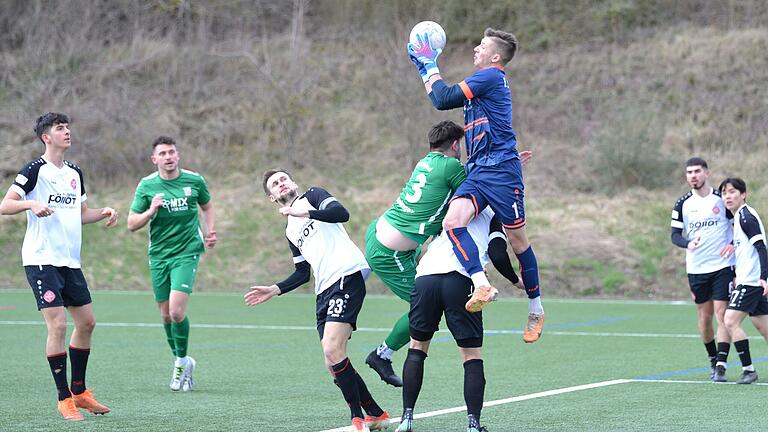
point(176, 204)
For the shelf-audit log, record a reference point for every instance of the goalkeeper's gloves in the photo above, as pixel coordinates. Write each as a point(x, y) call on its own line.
point(424, 56)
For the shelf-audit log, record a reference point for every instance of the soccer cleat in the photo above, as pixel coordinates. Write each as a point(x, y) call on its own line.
point(383, 367)
point(712, 365)
point(406, 421)
point(719, 374)
point(533, 327)
point(187, 381)
point(747, 377)
point(377, 423)
point(481, 297)
point(69, 411)
point(358, 425)
point(177, 376)
point(477, 429)
point(86, 401)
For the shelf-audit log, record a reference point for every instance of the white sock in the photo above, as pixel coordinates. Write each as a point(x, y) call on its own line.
point(534, 306)
point(384, 351)
point(181, 361)
point(721, 364)
point(479, 280)
point(750, 368)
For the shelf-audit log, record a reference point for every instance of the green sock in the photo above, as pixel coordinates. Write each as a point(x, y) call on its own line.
point(169, 336)
point(400, 334)
point(181, 336)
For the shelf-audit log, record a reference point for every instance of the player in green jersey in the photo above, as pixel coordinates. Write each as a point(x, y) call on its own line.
point(393, 241)
point(168, 200)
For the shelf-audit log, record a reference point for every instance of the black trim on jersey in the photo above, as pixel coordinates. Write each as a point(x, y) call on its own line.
point(497, 252)
point(444, 97)
point(749, 224)
point(677, 233)
point(30, 171)
point(762, 254)
point(678, 239)
point(299, 277)
point(80, 173)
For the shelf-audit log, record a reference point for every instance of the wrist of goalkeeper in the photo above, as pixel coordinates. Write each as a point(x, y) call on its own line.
point(430, 70)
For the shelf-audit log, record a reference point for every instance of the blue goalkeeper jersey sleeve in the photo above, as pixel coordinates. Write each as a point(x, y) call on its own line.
point(490, 138)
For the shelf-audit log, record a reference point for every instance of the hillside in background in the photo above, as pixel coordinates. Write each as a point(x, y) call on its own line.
point(612, 97)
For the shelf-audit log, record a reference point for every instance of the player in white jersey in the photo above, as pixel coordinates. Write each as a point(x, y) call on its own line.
point(749, 296)
point(51, 191)
point(317, 239)
point(701, 225)
point(442, 287)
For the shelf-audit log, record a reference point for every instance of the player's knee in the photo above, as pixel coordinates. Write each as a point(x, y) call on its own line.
point(177, 315)
point(57, 328)
point(86, 326)
point(333, 352)
point(731, 322)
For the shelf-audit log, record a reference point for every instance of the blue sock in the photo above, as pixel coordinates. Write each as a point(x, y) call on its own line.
point(465, 249)
point(529, 271)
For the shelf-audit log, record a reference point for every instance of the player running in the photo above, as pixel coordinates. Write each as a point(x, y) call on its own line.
point(494, 169)
point(749, 296)
point(168, 200)
point(51, 191)
point(318, 240)
point(442, 287)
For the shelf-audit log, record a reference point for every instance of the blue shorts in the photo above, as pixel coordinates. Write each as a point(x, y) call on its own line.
point(499, 186)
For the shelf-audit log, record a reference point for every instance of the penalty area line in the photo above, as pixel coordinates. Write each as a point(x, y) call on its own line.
point(504, 401)
point(663, 381)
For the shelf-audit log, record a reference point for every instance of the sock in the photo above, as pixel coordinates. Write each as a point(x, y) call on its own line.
point(182, 361)
point(169, 337)
point(180, 332)
point(534, 306)
point(722, 353)
point(58, 364)
point(413, 376)
point(78, 358)
point(465, 249)
point(742, 347)
point(400, 334)
point(347, 382)
point(474, 387)
point(366, 400)
point(711, 351)
point(529, 272)
point(384, 351)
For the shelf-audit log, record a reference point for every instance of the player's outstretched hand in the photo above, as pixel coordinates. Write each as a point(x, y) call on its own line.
point(764, 285)
point(40, 209)
point(259, 294)
point(424, 51)
point(210, 239)
point(415, 60)
point(526, 156)
point(111, 215)
point(727, 250)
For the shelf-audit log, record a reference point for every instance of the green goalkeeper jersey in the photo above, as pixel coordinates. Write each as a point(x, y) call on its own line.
point(175, 229)
point(419, 210)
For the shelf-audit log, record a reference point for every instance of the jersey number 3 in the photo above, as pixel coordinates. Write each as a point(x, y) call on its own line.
point(416, 196)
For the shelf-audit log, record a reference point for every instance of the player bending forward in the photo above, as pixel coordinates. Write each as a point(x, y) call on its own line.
point(318, 240)
point(442, 287)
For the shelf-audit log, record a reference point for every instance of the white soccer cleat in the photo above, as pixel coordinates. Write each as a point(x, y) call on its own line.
point(188, 382)
point(177, 375)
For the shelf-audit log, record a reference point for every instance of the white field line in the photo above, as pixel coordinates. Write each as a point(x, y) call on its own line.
point(504, 401)
point(689, 382)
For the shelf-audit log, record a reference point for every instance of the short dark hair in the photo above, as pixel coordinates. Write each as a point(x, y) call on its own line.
point(505, 42)
point(162, 139)
point(46, 121)
point(736, 182)
point(696, 161)
point(269, 173)
point(443, 134)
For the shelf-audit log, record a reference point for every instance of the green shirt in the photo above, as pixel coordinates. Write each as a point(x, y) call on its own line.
point(174, 230)
point(419, 210)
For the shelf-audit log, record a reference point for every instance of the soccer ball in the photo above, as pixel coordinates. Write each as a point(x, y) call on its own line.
point(435, 31)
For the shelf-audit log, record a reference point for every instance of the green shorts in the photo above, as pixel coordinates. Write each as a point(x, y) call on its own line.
point(176, 274)
point(397, 269)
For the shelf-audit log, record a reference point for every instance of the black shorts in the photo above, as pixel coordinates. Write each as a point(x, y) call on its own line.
point(341, 302)
point(447, 293)
point(749, 299)
point(57, 286)
point(711, 286)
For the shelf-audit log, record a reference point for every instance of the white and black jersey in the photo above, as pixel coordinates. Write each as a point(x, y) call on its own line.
point(325, 246)
point(53, 240)
point(440, 258)
point(706, 217)
point(747, 230)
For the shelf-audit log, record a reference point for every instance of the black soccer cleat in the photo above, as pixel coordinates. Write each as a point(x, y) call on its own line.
point(747, 377)
point(384, 369)
point(719, 374)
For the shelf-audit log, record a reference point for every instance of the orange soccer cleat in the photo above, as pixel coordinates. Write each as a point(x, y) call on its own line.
point(533, 327)
point(86, 401)
point(358, 425)
point(377, 423)
point(481, 297)
point(69, 411)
